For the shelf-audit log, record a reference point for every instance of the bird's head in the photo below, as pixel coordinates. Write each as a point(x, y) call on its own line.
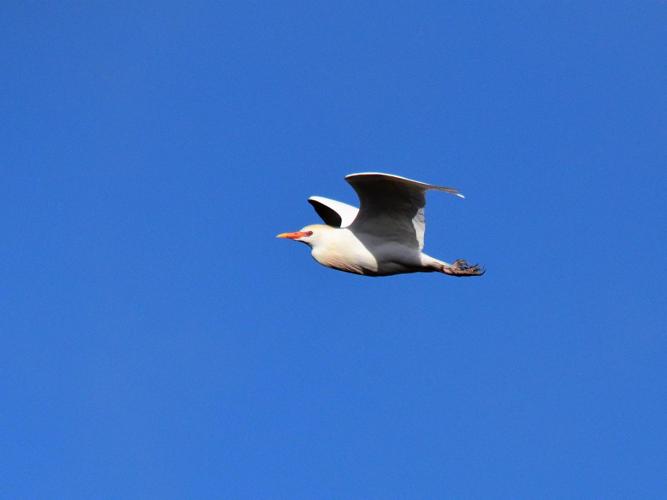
point(309, 235)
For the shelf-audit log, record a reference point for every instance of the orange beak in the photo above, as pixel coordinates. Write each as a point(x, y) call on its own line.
point(294, 236)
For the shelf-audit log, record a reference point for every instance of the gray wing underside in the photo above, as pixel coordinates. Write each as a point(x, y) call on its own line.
point(392, 207)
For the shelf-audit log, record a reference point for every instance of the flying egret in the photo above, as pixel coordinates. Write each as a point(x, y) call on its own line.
point(384, 236)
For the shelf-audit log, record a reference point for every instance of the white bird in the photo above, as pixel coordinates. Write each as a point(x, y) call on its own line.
point(384, 236)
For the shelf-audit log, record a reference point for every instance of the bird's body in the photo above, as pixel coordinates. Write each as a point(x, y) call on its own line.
point(384, 236)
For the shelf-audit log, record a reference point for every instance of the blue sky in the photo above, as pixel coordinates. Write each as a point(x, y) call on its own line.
point(159, 342)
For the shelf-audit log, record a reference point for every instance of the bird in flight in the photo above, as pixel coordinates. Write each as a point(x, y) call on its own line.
point(384, 236)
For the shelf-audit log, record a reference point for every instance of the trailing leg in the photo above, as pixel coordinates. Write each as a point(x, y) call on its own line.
point(461, 268)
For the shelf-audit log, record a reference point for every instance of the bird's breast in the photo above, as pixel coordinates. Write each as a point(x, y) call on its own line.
point(343, 251)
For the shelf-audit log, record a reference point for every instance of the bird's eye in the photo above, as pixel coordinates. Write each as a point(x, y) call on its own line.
point(308, 233)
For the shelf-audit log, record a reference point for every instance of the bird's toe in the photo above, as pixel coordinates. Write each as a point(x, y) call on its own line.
point(461, 267)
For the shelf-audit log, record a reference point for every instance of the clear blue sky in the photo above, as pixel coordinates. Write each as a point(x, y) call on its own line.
point(157, 341)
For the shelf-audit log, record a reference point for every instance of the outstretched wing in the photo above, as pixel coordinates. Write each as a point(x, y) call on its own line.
point(333, 213)
point(392, 207)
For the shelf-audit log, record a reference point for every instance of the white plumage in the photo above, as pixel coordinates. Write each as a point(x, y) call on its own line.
point(384, 236)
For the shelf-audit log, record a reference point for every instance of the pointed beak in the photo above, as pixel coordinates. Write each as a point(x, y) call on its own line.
point(293, 236)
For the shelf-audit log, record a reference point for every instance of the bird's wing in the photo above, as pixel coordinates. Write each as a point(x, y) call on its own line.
point(333, 213)
point(392, 207)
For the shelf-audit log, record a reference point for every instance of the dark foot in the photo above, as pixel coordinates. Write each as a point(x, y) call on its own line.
point(462, 268)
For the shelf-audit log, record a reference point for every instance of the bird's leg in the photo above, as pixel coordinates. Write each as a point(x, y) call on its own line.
point(461, 268)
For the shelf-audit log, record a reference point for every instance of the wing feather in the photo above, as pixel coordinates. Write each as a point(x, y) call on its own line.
point(333, 213)
point(392, 207)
